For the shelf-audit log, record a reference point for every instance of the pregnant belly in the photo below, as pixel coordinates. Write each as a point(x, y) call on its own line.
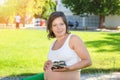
point(50, 75)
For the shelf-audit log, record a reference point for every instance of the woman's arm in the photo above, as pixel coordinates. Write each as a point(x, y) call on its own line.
point(79, 47)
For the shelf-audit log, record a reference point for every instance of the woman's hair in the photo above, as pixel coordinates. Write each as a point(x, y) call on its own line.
point(52, 17)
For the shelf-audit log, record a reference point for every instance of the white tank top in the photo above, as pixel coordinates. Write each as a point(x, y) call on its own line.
point(64, 53)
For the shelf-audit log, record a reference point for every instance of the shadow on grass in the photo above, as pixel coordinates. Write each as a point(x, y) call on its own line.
point(96, 70)
point(18, 76)
point(84, 72)
point(112, 40)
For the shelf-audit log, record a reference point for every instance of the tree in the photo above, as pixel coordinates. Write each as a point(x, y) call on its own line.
point(6, 12)
point(40, 8)
point(43, 8)
point(48, 9)
point(97, 7)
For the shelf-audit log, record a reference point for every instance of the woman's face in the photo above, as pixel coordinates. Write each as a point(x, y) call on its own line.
point(58, 27)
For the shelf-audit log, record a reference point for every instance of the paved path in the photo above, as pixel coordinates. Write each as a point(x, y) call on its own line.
point(111, 76)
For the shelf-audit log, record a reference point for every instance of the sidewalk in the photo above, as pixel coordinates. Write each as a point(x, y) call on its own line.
point(107, 30)
point(111, 76)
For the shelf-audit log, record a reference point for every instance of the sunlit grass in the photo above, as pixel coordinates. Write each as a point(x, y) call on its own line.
point(23, 52)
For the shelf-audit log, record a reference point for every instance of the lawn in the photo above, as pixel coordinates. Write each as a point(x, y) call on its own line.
point(23, 52)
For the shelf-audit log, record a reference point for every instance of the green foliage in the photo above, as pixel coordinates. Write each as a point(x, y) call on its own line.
point(97, 7)
point(44, 8)
point(7, 11)
point(48, 8)
point(38, 7)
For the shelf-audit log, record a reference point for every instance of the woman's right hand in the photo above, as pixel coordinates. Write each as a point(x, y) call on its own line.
point(47, 65)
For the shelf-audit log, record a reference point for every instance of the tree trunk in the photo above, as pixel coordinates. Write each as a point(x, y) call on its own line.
point(23, 21)
point(102, 21)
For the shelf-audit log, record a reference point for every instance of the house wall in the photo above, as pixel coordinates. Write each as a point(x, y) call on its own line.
point(112, 21)
point(61, 7)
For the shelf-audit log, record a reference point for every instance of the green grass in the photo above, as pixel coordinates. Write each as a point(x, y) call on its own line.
point(23, 52)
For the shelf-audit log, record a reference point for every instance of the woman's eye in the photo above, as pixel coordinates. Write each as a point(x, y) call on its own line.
point(54, 25)
point(62, 24)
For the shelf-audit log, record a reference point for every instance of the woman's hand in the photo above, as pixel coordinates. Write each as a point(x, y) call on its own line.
point(47, 64)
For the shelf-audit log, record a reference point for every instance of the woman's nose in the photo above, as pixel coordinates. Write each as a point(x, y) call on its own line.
point(58, 27)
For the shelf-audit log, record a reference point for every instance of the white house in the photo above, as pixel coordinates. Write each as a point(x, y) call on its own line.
point(61, 7)
point(112, 21)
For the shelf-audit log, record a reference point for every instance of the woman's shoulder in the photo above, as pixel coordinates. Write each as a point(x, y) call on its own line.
point(74, 37)
point(75, 41)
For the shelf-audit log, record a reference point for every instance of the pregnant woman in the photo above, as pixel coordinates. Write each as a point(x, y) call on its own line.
point(67, 47)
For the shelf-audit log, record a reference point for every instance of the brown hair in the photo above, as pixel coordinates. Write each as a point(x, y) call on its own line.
point(52, 17)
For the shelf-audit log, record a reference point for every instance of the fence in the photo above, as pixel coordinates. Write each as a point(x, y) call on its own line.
point(90, 22)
